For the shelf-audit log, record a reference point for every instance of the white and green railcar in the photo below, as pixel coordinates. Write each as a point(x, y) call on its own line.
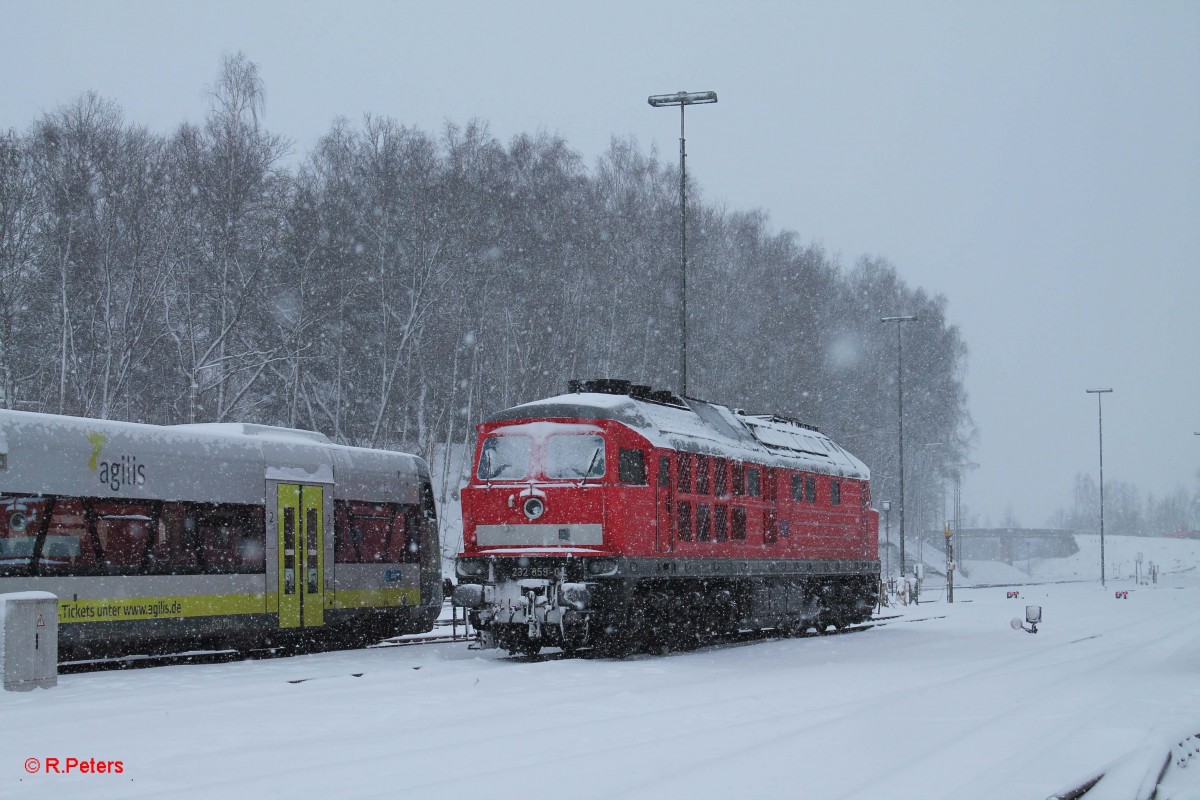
point(155, 537)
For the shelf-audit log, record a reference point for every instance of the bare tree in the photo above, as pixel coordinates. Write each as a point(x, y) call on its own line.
point(231, 195)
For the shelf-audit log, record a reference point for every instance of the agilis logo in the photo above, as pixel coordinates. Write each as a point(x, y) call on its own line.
point(122, 471)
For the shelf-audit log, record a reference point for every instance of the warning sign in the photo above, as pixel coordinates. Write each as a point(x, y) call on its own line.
point(41, 622)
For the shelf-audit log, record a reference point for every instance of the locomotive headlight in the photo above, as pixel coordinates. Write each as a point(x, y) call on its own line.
point(602, 566)
point(533, 507)
point(18, 522)
point(468, 595)
point(471, 567)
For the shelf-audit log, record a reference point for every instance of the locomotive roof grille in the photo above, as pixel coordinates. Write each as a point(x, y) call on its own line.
point(617, 386)
point(778, 418)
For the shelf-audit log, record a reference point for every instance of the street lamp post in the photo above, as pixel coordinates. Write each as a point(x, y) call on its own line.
point(1100, 417)
point(887, 535)
point(682, 99)
point(900, 406)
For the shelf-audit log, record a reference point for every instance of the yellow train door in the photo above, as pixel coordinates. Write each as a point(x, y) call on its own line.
point(301, 556)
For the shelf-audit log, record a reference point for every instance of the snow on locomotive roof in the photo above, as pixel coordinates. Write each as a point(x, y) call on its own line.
point(702, 427)
point(219, 462)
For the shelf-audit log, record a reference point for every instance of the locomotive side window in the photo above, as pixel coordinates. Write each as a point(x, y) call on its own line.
point(810, 489)
point(739, 482)
point(835, 493)
point(752, 482)
point(798, 487)
point(701, 475)
point(505, 458)
point(703, 524)
point(721, 523)
point(685, 521)
point(721, 477)
point(576, 456)
point(664, 471)
point(866, 495)
point(738, 526)
point(685, 472)
point(631, 467)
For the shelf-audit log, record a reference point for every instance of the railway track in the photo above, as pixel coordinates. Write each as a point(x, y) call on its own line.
point(147, 661)
point(740, 638)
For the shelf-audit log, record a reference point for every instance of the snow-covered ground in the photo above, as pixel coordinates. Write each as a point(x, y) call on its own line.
point(1120, 556)
point(939, 701)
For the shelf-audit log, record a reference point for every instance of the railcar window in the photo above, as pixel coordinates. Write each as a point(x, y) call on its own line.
point(664, 471)
point(575, 456)
point(505, 458)
point(631, 467)
point(69, 548)
point(124, 531)
point(810, 489)
point(721, 477)
point(739, 474)
point(701, 475)
point(212, 538)
point(770, 529)
point(232, 538)
point(835, 493)
point(798, 488)
point(685, 521)
point(373, 533)
point(170, 554)
point(20, 518)
point(738, 528)
point(721, 523)
point(866, 495)
point(685, 472)
point(703, 524)
point(752, 481)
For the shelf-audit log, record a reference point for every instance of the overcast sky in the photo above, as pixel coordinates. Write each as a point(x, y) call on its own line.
point(1037, 163)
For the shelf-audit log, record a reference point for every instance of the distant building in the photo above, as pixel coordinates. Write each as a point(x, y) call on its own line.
point(1182, 534)
point(1007, 544)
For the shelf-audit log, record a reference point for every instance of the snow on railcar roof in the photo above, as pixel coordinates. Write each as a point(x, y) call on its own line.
point(698, 426)
point(250, 429)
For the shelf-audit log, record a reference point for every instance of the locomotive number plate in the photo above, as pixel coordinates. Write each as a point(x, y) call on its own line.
point(534, 572)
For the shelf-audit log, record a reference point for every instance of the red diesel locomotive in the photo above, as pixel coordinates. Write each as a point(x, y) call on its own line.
point(632, 519)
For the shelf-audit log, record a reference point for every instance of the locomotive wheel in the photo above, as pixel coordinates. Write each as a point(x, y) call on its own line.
point(684, 624)
point(664, 628)
point(526, 647)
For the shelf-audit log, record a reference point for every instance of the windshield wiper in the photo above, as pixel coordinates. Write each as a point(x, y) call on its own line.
point(591, 464)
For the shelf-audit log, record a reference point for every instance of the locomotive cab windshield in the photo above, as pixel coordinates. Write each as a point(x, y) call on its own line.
point(512, 456)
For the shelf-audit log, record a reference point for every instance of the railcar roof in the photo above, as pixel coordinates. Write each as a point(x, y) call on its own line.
point(703, 427)
point(226, 462)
